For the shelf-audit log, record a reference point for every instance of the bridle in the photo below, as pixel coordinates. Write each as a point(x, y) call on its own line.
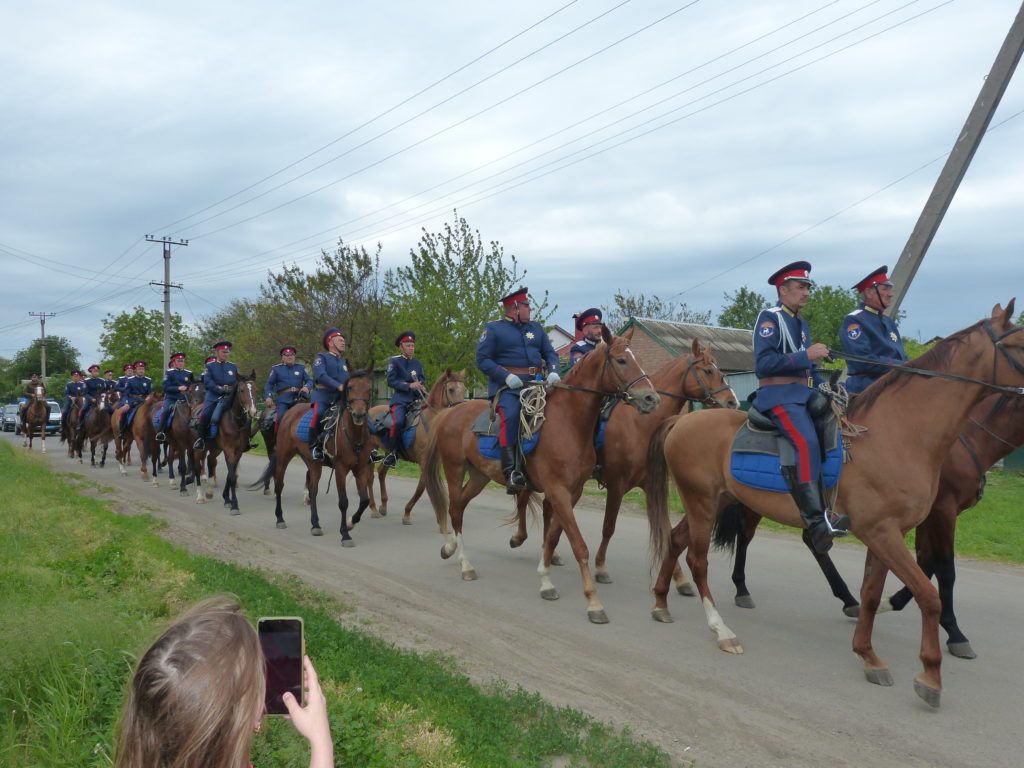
point(709, 394)
point(622, 389)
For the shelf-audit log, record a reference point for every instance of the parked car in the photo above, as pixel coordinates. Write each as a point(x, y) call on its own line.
point(10, 418)
point(52, 423)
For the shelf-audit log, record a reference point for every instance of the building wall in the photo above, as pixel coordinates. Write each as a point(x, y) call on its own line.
point(652, 354)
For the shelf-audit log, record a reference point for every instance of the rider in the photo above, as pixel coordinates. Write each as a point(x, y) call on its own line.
point(120, 385)
point(175, 386)
point(405, 376)
point(589, 323)
point(138, 388)
point(219, 377)
point(784, 363)
point(108, 377)
point(94, 387)
point(868, 332)
point(511, 348)
point(73, 389)
point(30, 393)
point(287, 379)
point(330, 372)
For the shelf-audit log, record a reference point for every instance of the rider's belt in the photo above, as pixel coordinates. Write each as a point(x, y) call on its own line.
point(325, 387)
point(531, 371)
point(772, 381)
point(286, 391)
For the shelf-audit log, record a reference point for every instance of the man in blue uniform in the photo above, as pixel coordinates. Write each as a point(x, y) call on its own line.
point(405, 376)
point(137, 389)
point(108, 378)
point(510, 350)
point(868, 332)
point(784, 362)
point(94, 387)
point(589, 323)
point(175, 385)
point(73, 389)
point(219, 378)
point(330, 372)
point(287, 379)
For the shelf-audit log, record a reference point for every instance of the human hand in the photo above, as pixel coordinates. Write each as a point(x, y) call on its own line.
point(305, 389)
point(311, 720)
point(269, 402)
point(817, 352)
point(513, 382)
point(554, 378)
point(416, 385)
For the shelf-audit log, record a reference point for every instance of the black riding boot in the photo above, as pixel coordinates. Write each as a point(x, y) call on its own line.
point(314, 442)
point(514, 480)
point(808, 501)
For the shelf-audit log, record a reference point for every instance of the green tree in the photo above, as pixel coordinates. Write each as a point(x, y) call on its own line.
point(742, 308)
point(61, 358)
point(449, 292)
point(244, 323)
point(629, 305)
point(139, 335)
point(825, 310)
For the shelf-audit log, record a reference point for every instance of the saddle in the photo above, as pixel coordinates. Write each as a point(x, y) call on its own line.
point(486, 427)
point(380, 424)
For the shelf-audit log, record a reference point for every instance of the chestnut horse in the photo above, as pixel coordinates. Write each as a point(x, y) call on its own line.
point(95, 429)
point(35, 417)
point(69, 428)
point(692, 378)
point(447, 391)
point(141, 433)
point(348, 450)
point(887, 488)
point(179, 439)
point(233, 434)
point(558, 466)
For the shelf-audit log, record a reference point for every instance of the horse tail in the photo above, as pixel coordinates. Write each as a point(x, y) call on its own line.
point(268, 474)
point(431, 470)
point(656, 490)
point(729, 525)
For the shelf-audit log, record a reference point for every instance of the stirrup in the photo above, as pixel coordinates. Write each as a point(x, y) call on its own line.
point(160, 437)
point(516, 482)
point(391, 460)
point(376, 456)
point(318, 453)
point(839, 527)
point(199, 444)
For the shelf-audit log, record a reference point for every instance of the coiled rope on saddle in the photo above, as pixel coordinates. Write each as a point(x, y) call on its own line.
point(533, 401)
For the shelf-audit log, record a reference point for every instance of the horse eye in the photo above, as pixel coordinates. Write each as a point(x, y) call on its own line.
point(620, 360)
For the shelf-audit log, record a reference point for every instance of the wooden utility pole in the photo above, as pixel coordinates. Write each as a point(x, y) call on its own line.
point(167, 285)
point(42, 339)
point(959, 159)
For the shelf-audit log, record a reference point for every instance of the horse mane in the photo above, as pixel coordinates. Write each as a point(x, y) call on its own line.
point(936, 358)
point(361, 373)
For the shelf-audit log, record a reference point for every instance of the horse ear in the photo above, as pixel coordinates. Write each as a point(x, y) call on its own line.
point(448, 371)
point(628, 335)
point(462, 373)
point(252, 375)
point(1009, 309)
point(695, 347)
point(1003, 316)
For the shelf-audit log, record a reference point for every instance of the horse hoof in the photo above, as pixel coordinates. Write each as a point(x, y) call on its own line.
point(406, 521)
point(347, 543)
point(597, 617)
point(266, 491)
point(209, 494)
point(514, 542)
point(662, 615)
point(236, 511)
point(317, 531)
point(556, 559)
point(383, 512)
point(603, 578)
point(201, 500)
point(154, 484)
point(469, 575)
point(744, 601)
point(549, 594)
point(282, 524)
point(930, 695)
point(853, 611)
point(376, 515)
point(730, 645)
point(686, 590)
point(447, 551)
point(962, 650)
point(878, 676)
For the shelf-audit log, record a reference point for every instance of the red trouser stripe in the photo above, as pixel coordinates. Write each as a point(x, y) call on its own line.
point(316, 415)
point(501, 430)
point(394, 420)
point(803, 470)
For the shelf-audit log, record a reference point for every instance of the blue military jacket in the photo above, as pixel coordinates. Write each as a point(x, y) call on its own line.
point(173, 378)
point(519, 345)
point(137, 388)
point(219, 378)
point(94, 387)
point(869, 333)
point(780, 349)
point(284, 376)
point(74, 389)
point(581, 349)
point(329, 371)
point(403, 371)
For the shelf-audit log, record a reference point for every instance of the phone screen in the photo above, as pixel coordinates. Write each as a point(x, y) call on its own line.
point(281, 639)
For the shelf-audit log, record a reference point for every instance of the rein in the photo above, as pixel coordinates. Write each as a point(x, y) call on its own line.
point(709, 395)
point(621, 392)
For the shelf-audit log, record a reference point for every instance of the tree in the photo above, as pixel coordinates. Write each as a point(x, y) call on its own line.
point(139, 335)
point(825, 310)
point(60, 357)
point(449, 293)
point(628, 305)
point(742, 309)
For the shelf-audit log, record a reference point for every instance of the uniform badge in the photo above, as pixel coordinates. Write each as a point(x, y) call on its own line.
point(231, 373)
point(767, 329)
point(318, 361)
point(529, 334)
point(483, 336)
point(344, 367)
point(390, 366)
point(295, 373)
point(893, 336)
point(853, 331)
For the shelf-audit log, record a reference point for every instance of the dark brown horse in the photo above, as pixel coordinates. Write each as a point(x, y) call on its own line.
point(692, 378)
point(559, 465)
point(887, 488)
point(141, 433)
point(348, 450)
point(95, 429)
point(449, 390)
point(35, 417)
point(179, 440)
point(233, 435)
point(69, 427)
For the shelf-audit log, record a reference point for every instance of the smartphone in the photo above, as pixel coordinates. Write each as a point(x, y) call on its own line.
point(283, 643)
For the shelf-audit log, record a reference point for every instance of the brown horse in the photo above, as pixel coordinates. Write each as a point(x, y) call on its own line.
point(233, 435)
point(95, 429)
point(348, 450)
point(886, 489)
point(449, 390)
point(559, 466)
point(35, 417)
point(69, 427)
point(141, 433)
point(692, 378)
point(179, 439)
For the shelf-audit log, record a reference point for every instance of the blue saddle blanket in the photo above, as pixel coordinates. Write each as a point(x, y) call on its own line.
point(764, 471)
point(159, 412)
point(302, 428)
point(408, 438)
point(488, 445)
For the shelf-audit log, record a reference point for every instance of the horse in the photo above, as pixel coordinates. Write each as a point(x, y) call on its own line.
point(141, 434)
point(233, 435)
point(559, 465)
point(993, 430)
point(449, 390)
point(688, 379)
point(95, 428)
point(69, 427)
point(179, 440)
point(268, 430)
point(887, 488)
point(349, 451)
point(35, 417)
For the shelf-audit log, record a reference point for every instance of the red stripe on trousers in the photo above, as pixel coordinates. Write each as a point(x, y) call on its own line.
point(803, 471)
point(501, 430)
point(394, 421)
point(316, 416)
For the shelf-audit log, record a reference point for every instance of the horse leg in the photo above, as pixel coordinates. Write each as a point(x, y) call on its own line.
point(198, 472)
point(312, 486)
point(521, 534)
point(420, 487)
point(459, 497)
point(346, 536)
point(382, 511)
point(364, 483)
point(229, 495)
point(838, 586)
point(563, 518)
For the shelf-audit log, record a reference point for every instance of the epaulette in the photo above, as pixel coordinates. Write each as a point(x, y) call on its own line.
point(855, 312)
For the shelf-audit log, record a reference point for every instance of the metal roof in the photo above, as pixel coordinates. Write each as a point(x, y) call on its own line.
point(732, 347)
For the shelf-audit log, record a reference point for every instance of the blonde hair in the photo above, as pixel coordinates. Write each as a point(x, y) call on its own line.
point(196, 694)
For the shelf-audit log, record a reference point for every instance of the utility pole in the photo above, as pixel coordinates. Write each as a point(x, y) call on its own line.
point(42, 338)
point(167, 285)
point(956, 164)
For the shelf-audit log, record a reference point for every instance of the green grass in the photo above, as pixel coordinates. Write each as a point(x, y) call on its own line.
point(85, 590)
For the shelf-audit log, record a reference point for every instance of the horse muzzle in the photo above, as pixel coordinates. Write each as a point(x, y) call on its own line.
point(645, 401)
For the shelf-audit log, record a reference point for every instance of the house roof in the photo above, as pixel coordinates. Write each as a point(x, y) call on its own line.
point(732, 347)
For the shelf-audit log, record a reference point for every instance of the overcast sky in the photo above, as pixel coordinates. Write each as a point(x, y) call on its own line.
point(676, 148)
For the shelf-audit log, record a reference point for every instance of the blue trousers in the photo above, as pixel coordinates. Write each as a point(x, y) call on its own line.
point(798, 427)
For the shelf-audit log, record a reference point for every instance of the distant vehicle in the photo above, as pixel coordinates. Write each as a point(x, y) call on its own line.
point(52, 423)
point(10, 418)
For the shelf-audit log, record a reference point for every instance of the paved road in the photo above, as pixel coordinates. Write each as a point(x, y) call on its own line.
point(797, 697)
